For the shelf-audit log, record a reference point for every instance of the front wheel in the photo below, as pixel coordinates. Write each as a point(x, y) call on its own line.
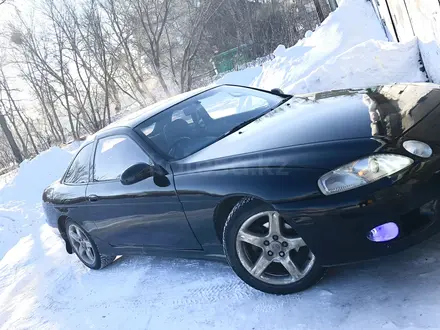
point(266, 252)
point(85, 248)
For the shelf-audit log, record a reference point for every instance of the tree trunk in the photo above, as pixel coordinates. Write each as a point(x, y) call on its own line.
point(163, 83)
point(26, 127)
point(25, 152)
point(17, 110)
point(4, 126)
point(65, 92)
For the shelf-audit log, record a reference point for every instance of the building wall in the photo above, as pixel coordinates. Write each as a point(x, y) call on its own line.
point(404, 19)
point(425, 19)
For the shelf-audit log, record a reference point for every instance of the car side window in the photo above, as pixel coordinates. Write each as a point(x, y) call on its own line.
point(114, 155)
point(78, 172)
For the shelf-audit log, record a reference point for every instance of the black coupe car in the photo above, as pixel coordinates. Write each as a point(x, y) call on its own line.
point(279, 186)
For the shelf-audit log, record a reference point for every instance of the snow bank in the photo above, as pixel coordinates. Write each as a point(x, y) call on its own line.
point(354, 22)
point(36, 174)
point(280, 50)
point(244, 77)
point(349, 49)
point(20, 200)
point(431, 58)
point(367, 64)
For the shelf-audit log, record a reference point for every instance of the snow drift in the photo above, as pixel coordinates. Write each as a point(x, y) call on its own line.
point(20, 200)
point(367, 64)
point(349, 49)
point(35, 174)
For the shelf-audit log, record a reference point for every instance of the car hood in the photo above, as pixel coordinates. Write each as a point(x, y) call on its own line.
point(336, 121)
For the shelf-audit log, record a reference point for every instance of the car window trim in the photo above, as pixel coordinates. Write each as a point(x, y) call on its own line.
point(95, 147)
point(63, 179)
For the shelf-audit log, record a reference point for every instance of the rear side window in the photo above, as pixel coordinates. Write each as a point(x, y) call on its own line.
point(78, 172)
point(114, 155)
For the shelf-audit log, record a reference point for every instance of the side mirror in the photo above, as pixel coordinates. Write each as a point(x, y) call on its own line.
point(277, 91)
point(137, 173)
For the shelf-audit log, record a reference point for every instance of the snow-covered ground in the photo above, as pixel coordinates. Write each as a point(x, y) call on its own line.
point(41, 287)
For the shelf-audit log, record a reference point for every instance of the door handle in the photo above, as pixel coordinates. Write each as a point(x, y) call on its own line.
point(93, 198)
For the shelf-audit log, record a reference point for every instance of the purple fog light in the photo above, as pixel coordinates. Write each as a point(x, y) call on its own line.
point(383, 233)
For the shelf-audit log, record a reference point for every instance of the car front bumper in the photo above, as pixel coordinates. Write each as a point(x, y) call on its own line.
point(336, 227)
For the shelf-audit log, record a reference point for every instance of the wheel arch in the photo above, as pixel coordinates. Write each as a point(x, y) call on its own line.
point(224, 208)
point(62, 220)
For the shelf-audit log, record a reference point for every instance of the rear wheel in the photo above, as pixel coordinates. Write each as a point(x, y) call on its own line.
point(266, 252)
point(85, 248)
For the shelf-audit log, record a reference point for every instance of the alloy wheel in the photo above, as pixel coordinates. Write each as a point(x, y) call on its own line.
point(271, 251)
point(81, 244)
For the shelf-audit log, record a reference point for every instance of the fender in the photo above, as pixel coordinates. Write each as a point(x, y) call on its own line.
point(201, 193)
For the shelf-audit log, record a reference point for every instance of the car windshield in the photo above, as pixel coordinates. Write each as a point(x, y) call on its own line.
point(203, 119)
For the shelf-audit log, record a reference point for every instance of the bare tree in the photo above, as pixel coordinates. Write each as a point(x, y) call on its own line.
point(49, 58)
point(10, 138)
point(15, 109)
point(197, 19)
point(124, 26)
point(88, 60)
point(153, 16)
point(39, 83)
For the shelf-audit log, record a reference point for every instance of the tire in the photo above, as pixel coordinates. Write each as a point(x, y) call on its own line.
point(99, 261)
point(275, 279)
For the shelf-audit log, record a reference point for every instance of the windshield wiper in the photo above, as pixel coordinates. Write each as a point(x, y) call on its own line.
point(239, 126)
point(247, 122)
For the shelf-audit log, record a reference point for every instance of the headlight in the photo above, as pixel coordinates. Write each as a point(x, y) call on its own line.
point(362, 172)
point(418, 148)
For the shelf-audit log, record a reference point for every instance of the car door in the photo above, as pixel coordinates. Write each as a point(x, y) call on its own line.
point(138, 215)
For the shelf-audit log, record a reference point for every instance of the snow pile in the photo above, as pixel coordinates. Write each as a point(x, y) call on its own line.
point(20, 200)
point(431, 58)
point(280, 50)
point(244, 77)
point(36, 174)
point(348, 50)
point(367, 64)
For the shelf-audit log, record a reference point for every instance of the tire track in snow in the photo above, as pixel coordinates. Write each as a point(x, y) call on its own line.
point(233, 290)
